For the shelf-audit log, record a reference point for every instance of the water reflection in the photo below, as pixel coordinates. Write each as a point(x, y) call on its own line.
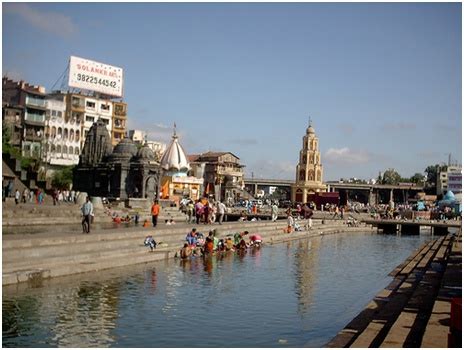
point(306, 271)
point(286, 294)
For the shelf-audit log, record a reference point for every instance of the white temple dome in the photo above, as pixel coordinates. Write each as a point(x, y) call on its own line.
point(174, 158)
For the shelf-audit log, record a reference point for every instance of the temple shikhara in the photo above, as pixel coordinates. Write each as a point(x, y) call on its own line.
point(175, 182)
point(309, 170)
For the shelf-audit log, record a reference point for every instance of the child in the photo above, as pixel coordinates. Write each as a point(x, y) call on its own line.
point(150, 242)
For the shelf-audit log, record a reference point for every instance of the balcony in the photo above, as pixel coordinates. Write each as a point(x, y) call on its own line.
point(118, 124)
point(35, 102)
point(120, 110)
point(31, 135)
point(35, 118)
point(77, 103)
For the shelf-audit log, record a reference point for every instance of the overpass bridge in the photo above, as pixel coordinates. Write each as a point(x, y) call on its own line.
point(364, 193)
point(374, 193)
point(253, 185)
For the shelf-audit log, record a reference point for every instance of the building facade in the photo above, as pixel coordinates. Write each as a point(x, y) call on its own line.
point(309, 171)
point(62, 137)
point(449, 179)
point(29, 101)
point(119, 121)
point(222, 174)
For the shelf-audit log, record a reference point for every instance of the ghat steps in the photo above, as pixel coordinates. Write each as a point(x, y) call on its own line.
point(32, 257)
point(407, 313)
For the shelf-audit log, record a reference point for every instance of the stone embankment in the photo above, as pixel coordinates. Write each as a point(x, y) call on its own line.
point(33, 257)
point(414, 309)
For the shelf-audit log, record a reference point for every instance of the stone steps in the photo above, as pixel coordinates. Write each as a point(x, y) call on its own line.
point(44, 256)
point(398, 315)
point(105, 244)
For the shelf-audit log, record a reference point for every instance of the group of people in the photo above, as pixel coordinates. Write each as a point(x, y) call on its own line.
point(198, 245)
point(64, 196)
point(204, 210)
point(305, 213)
point(29, 196)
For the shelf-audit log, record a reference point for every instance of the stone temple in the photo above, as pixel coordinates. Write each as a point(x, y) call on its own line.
point(120, 173)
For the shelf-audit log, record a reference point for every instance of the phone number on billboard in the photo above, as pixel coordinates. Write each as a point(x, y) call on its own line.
point(94, 80)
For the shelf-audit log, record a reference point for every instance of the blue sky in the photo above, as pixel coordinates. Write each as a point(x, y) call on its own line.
point(381, 81)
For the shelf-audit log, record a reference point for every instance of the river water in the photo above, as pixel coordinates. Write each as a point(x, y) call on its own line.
point(294, 294)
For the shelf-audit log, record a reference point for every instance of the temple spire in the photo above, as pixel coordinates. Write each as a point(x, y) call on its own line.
point(310, 122)
point(175, 135)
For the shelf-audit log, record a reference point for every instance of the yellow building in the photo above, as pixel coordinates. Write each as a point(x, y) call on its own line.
point(309, 169)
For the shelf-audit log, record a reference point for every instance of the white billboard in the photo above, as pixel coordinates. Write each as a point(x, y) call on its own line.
point(95, 76)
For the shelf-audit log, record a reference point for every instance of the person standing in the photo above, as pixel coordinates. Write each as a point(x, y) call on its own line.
point(155, 209)
point(221, 208)
point(290, 223)
point(87, 212)
point(17, 196)
point(25, 195)
point(274, 212)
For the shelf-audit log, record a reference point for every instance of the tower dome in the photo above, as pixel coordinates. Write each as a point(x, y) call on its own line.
point(174, 158)
point(124, 150)
point(310, 130)
point(145, 153)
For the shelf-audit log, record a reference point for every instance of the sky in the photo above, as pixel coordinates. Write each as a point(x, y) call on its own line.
point(382, 82)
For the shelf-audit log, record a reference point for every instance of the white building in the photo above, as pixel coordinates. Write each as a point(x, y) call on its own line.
point(139, 136)
point(62, 138)
point(94, 109)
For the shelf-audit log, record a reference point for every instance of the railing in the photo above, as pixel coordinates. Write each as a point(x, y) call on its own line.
point(34, 117)
point(35, 101)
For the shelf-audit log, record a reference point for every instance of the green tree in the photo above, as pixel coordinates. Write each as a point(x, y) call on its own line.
point(432, 172)
point(417, 178)
point(62, 179)
point(391, 177)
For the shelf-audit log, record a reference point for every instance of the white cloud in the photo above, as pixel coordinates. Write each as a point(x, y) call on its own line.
point(52, 22)
point(345, 156)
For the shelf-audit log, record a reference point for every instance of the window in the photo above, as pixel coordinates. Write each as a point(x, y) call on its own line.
point(77, 135)
point(76, 151)
point(119, 109)
point(76, 102)
point(65, 150)
point(88, 118)
point(60, 132)
point(106, 121)
point(58, 150)
point(105, 107)
point(65, 136)
point(71, 135)
point(59, 114)
point(53, 113)
point(302, 175)
point(90, 104)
